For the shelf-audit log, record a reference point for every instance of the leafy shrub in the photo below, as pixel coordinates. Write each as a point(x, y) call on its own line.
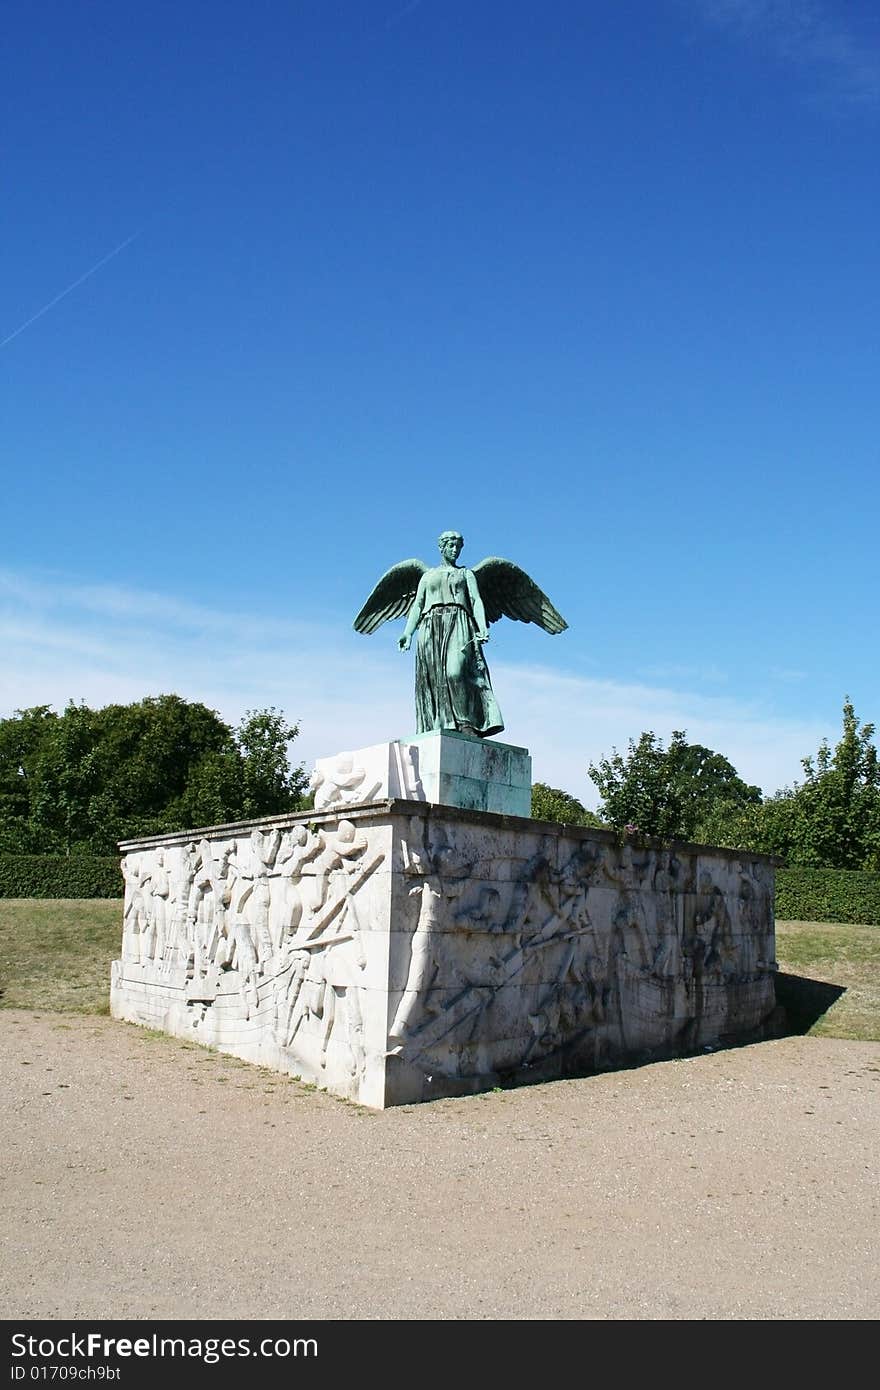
point(551, 804)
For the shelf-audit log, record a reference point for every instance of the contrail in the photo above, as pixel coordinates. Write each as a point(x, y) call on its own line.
point(52, 302)
point(396, 18)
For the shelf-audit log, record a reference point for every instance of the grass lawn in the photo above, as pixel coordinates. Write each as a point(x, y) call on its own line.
point(837, 954)
point(55, 954)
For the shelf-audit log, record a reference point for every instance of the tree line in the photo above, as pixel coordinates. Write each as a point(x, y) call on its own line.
point(80, 781)
point(684, 791)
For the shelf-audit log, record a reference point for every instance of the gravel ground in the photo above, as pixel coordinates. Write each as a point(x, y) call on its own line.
point(144, 1177)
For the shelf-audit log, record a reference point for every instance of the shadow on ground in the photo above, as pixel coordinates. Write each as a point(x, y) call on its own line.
point(804, 1000)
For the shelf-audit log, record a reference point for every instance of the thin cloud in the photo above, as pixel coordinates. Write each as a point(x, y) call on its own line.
point(577, 720)
point(786, 674)
point(38, 637)
point(812, 35)
point(677, 671)
point(115, 602)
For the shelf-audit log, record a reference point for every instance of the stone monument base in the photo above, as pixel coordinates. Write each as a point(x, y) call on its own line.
point(445, 767)
point(403, 951)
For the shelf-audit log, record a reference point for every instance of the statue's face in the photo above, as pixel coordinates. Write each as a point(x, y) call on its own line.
point(450, 546)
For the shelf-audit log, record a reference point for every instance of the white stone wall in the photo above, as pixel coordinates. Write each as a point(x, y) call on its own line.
point(412, 951)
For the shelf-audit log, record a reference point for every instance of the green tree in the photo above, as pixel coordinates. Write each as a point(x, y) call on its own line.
point(21, 739)
point(270, 784)
point(65, 777)
point(549, 803)
point(213, 792)
point(123, 770)
point(668, 792)
point(833, 819)
point(83, 780)
point(762, 826)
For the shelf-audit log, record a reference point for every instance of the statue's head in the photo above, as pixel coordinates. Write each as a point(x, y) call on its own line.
point(450, 543)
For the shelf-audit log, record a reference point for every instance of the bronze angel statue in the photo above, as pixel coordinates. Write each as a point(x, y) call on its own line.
point(452, 607)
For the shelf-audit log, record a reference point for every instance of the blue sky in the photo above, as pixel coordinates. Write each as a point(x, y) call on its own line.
point(289, 287)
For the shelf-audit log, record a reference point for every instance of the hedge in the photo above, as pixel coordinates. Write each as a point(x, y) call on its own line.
point(828, 895)
point(60, 876)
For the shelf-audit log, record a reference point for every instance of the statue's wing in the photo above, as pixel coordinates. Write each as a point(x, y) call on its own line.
point(392, 597)
point(507, 591)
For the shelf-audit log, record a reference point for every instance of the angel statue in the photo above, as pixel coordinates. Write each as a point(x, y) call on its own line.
point(452, 607)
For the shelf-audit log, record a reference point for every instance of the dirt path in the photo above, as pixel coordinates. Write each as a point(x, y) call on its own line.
point(144, 1177)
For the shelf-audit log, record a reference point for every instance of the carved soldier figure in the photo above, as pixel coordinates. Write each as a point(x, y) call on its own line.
point(158, 888)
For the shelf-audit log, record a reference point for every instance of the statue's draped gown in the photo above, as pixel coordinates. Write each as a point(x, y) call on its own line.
point(453, 687)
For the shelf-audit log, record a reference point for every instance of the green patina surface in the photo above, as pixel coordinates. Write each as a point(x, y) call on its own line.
point(449, 609)
point(477, 775)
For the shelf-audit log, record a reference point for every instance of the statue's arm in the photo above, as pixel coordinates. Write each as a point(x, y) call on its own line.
point(477, 608)
point(270, 854)
point(415, 616)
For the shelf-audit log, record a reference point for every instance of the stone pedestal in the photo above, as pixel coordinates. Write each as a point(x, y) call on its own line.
point(446, 768)
point(404, 951)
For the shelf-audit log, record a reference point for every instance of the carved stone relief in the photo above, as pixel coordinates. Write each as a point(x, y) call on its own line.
point(274, 919)
point(372, 950)
point(576, 937)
